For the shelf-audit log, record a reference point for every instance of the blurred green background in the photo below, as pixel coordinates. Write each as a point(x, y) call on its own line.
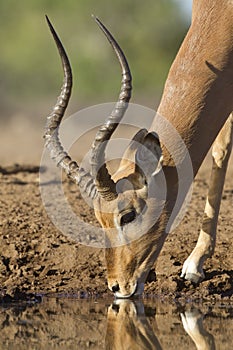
point(149, 32)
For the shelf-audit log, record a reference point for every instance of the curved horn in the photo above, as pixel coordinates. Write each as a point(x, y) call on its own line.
point(52, 142)
point(104, 184)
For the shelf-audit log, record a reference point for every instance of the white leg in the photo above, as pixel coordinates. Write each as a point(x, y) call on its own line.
point(193, 266)
point(193, 325)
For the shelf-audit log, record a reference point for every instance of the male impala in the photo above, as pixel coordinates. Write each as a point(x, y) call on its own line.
point(197, 100)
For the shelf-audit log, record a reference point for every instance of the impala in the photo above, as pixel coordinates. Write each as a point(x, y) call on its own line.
point(197, 101)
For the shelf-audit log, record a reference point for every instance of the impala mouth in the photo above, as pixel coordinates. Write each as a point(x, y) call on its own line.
point(137, 291)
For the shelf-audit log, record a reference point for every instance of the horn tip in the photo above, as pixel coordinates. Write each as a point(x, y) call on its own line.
point(96, 19)
point(47, 19)
point(49, 24)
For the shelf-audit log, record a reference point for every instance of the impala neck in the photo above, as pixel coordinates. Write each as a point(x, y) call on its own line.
point(198, 94)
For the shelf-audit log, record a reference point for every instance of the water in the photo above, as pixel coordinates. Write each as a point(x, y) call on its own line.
point(65, 323)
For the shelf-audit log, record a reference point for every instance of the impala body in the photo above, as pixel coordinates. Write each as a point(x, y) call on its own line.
point(197, 101)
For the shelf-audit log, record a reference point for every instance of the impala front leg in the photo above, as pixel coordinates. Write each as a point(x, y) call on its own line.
point(193, 266)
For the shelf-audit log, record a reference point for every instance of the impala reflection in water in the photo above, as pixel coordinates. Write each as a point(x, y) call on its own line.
point(69, 323)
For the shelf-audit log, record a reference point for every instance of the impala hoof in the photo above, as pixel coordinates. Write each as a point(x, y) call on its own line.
point(192, 272)
point(194, 277)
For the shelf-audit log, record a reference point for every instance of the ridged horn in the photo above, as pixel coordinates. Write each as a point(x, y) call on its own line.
point(106, 187)
point(52, 142)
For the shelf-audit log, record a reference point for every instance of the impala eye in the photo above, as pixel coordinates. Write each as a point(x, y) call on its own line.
point(128, 217)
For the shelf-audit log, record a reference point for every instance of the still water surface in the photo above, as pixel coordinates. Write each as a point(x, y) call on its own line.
point(65, 323)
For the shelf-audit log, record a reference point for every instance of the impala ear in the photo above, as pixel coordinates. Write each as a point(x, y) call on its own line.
point(129, 154)
point(149, 155)
point(142, 159)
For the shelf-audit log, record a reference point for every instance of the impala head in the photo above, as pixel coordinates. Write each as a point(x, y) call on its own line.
point(128, 204)
point(129, 219)
point(128, 328)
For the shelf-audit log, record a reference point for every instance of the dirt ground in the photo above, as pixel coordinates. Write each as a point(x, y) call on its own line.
point(37, 258)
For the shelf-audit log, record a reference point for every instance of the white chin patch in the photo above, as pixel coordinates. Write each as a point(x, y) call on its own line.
point(137, 290)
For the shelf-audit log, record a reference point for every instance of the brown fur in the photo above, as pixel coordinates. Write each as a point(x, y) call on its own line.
point(197, 100)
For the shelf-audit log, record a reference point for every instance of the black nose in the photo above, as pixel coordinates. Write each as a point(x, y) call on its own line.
point(115, 288)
